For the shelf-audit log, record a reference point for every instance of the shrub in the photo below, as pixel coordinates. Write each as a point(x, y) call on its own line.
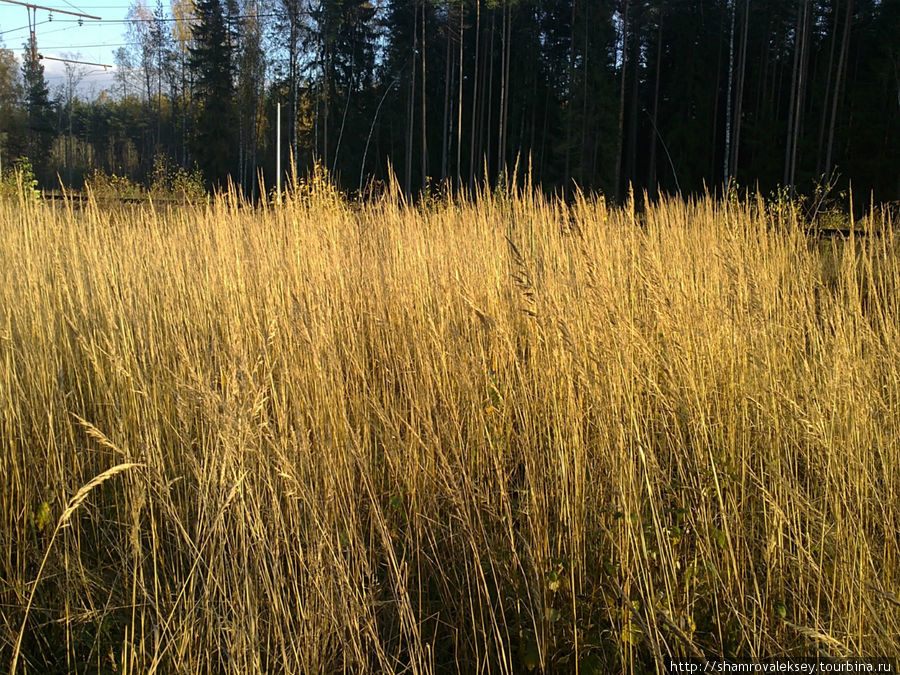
point(19, 180)
point(175, 182)
point(110, 186)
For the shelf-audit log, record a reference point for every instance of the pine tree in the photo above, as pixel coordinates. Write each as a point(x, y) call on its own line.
point(348, 39)
point(12, 118)
point(211, 61)
point(37, 108)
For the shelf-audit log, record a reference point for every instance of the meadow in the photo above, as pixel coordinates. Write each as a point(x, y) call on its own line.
point(503, 434)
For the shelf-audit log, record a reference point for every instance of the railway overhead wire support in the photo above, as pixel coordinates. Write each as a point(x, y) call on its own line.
point(32, 10)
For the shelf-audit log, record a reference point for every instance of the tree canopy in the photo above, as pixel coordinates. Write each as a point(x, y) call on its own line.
point(677, 95)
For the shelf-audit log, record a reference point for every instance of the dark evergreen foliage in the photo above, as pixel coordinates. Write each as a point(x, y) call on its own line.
point(39, 114)
point(214, 91)
point(670, 95)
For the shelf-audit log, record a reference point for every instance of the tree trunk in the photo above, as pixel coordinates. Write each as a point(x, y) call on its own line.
point(727, 154)
point(792, 102)
point(489, 108)
point(504, 140)
point(326, 110)
point(651, 172)
point(823, 122)
point(475, 97)
point(570, 88)
point(739, 103)
point(621, 129)
point(451, 122)
point(585, 176)
point(631, 164)
point(448, 69)
point(183, 112)
point(501, 144)
point(411, 107)
point(541, 163)
point(292, 54)
point(714, 122)
point(462, 15)
point(841, 75)
point(424, 120)
point(801, 90)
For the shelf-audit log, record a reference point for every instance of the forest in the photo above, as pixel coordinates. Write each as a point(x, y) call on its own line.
point(680, 96)
point(537, 364)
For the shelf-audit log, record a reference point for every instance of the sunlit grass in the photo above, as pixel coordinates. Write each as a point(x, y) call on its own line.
point(491, 436)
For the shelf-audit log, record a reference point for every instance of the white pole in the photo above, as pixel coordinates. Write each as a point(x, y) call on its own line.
point(278, 153)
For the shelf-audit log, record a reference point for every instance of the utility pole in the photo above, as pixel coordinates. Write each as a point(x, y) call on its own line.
point(278, 151)
point(32, 19)
point(32, 11)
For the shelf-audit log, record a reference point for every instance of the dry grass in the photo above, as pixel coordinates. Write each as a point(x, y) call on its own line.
point(481, 437)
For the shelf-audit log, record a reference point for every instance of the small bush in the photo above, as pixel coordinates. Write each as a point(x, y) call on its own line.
point(110, 186)
point(316, 188)
point(175, 182)
point(19, 180)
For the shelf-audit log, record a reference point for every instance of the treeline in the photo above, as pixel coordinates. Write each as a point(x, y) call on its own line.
point(674, 95)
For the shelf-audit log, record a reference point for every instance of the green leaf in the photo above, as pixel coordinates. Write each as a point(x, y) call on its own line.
point(553, 581)
point(42, 517)
point(529, 655)
point(717, 536)
point(591, 665)
point(631, 635)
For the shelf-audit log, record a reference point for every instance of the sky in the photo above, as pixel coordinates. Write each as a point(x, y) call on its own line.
point(60, 35)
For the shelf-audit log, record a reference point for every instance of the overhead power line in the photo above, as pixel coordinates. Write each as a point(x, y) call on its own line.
point(26, 27)
point(122, 7)
point(48, 32)
point(80, 63)
point(97, 46)
point(32, 10)
point(72, 6)
point(52, 10)
point(163, 19)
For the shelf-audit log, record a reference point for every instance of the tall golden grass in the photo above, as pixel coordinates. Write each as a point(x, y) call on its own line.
point(497, 435)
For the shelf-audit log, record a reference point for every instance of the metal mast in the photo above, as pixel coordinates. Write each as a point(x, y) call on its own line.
point(32, 22)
